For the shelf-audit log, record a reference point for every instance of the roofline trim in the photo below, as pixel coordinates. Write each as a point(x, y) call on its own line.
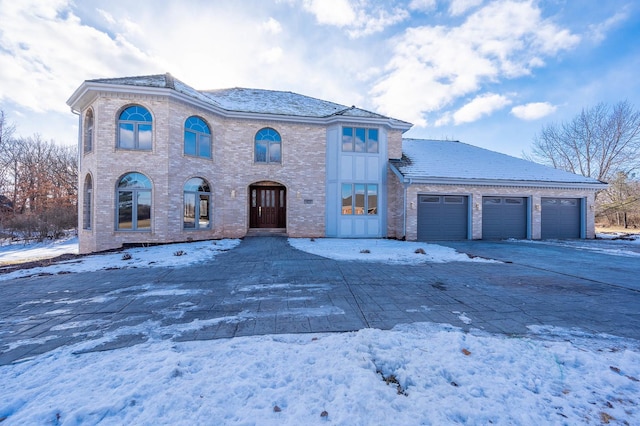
point(505, 183)
point(89, 86)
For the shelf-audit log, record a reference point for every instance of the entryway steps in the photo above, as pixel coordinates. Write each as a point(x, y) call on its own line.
point(267, 232)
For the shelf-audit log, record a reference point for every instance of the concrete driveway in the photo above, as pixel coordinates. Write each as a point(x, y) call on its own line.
point(265, 286)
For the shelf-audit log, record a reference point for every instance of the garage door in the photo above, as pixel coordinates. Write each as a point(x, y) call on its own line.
point(561, 217)
point(442, 217)
point(504, 217)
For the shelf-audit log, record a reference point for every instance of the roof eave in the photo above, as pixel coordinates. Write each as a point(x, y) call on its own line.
point(75, 102)
point(595, 186)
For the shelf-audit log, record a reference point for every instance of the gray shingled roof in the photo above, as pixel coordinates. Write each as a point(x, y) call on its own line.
point(448, 160)
point(248, 100)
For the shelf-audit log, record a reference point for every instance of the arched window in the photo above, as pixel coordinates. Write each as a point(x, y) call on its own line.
point(197, 204)
point(133, 203)
point(197, 137)
point(87, 203)
point(268, 146)
point(135, 128)
point(88, 131)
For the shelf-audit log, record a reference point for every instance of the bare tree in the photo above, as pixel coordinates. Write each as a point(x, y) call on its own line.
point(41, 183)
point(599, 142)
point(620, 203)
point(6, 136)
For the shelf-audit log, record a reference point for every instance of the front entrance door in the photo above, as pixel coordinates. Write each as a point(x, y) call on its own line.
point(268, 207)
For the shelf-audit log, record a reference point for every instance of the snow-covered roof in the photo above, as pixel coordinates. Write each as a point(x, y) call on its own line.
point(452, 161)
point(244, 100)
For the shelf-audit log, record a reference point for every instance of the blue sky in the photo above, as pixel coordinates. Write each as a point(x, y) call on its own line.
point(489, 73)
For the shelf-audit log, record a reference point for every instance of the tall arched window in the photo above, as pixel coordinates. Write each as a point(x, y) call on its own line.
point(88, 131)
point(135, 128)
point(87, 203)
point(197, 204)
point(133, 200)
point(268, 146)
point(197, 137)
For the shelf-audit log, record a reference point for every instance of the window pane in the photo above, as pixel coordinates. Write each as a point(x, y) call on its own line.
point(205, 146)
point(360, 139)
point(372, 199)
point(144, 210)
point(189, 214)
point(134, 180)
point(87, 209)
point(204, 211)
point(261, 152)
point(125, 210)
point(144, 136)
point(189, 143)
point(347, 139)
point(359, 189)
point(274, 152)
point(372, 141)
point(125, 136)
point(347, 199)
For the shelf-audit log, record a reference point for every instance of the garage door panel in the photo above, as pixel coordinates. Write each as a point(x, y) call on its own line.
point(442, 217)
point(561, 218)
point(504, 217)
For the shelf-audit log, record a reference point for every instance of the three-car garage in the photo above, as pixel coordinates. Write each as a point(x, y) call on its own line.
point(455, 191)
point(449, 217)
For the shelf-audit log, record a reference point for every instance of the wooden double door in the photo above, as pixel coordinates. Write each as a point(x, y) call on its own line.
point(268, 207)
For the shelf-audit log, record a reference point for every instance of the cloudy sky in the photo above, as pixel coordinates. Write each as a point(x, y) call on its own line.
point(486, 72)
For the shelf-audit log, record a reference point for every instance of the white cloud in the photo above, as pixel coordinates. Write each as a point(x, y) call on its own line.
point(48, 43)
point(479, 107)
point(272, 26)
point(599, 31)
point(358, 18)
point(433, 66)
point(422, 5)
point(272, 56)
point(533, 110)
point(458, 7)
point(331, 12)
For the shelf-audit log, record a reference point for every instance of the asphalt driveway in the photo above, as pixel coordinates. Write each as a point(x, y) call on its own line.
point(265, 286)
point(616, 263)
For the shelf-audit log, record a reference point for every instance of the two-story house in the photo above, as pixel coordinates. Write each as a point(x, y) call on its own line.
point(162, 162)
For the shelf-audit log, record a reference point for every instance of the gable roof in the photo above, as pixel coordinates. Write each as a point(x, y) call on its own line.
point(240, 100)
point(452, 162)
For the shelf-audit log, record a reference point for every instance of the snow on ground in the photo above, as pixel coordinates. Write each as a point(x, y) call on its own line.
point(181, 254)
point(20, 252)
point(381, 250)
point(372, 250)
point(411, 375)
point(414, 374)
